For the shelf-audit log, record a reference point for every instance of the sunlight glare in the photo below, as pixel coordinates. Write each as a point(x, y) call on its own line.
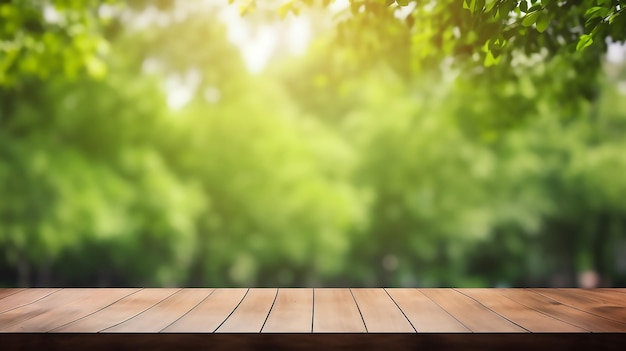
point(260, 44)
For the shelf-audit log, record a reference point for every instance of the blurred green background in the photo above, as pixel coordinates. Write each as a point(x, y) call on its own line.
point(158, 143)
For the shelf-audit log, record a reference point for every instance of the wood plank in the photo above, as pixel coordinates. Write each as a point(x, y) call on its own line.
point(162, 314)
point(23, 298)
point(617, 290)
point(251, 313)
point(587, 301)
point(424, 314)
point(63, 307)
point(118, 312)
point(271, 311)
point(380, 313)
point(4, 292)
point(521, 315)
point(473, 315)
point(565, 313)
point(292, 312)
point(335, 311)
point(210, 313)
point(608, 297)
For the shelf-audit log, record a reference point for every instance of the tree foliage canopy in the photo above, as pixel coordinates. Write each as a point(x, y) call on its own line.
point(68, 36)
point(414, 143)
point(506, 38)
point(489, 31)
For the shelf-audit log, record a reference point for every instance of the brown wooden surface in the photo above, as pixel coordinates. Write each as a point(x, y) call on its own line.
point(335, 311)
point(251, 313)
point(472, 314)
point(380, 313)
point(9, 291)
point(24, 297)
point(613, 290)
point(521, 315)
point(164, 313)
point(306, 311)
point(292, 312)
point(588, 301)
point(425, 315)
point(60, 308)
point(210, 313)
point(563, 312)
point(119, 312)
point(607, 297)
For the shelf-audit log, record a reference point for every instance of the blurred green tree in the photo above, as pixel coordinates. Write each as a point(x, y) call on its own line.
point(354, 164)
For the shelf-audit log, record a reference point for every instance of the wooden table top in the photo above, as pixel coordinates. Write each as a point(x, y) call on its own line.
point(299, 310)
point(398, 311)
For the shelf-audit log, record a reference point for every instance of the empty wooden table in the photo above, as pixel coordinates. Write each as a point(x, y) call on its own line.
point(304, 318)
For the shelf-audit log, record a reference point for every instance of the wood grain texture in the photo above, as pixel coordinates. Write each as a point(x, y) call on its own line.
point(118, 312)
point(562, 312)
point(292, 312)
point(4, 292)
point(425, 315)
point(162, 314)
point(23, 298)
point(521, 315)
point(472, 314)
point(608, 297)
point(210, 313)
point(380, 313)
point(587, 301)
point(303, 311)
point(612, 290)
point(334, 311)
point(251, 313)
point(63, 307)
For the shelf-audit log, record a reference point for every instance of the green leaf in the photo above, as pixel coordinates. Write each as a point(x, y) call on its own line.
point(530, 19)
point(523, 5)
point(596, 11)
point(618, 26)
point(478, 6)
point(600, 30)
point(402, 2)
point(490, 59)
point(475, 6)
point(593, 22)
point(505, 8)
point(542, 22)
point(495, 47)
point(584, 41)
